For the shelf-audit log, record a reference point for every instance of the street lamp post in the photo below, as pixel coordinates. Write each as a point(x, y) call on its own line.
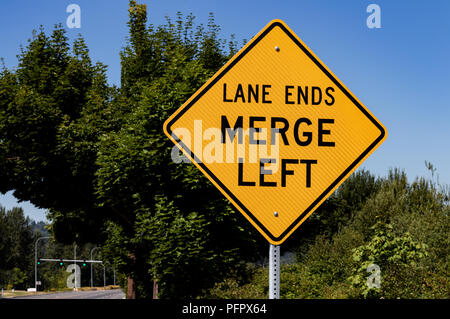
point(75, 264)
point(35, 259)
point(92, 280)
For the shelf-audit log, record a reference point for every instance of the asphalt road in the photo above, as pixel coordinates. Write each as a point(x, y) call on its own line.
point(93, 294)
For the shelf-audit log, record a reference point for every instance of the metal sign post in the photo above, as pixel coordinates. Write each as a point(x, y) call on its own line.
point(274, 272)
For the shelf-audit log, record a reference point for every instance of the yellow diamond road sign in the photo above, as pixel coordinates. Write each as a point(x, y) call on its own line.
point(275, 131)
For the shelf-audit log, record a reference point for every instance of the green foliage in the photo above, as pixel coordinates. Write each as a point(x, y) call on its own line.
point(19, 278)
point(174, 226)
point(97, 158)
point(249, 283)
point(16, 248)
point(388, 252)
point(53, 109)
point(401, 227)
point(336, 211)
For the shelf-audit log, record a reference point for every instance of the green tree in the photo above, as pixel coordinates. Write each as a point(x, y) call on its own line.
point(58, 117)
point(177, 229)
point(16, 249)
point(53, 109)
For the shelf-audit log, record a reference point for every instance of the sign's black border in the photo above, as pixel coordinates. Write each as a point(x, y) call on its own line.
point(332, 78)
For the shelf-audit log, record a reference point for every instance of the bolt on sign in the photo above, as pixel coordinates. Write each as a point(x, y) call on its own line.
point(275, 131)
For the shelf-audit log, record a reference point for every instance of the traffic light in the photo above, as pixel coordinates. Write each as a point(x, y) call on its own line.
point(84, 264)
point(61, 263)
point(39, 261)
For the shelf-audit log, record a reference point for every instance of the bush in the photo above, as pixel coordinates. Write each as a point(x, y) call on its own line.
point(385, 251)
point(401, 227)
point(253, 284)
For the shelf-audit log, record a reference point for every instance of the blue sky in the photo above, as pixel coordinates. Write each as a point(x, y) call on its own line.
point(401, 71)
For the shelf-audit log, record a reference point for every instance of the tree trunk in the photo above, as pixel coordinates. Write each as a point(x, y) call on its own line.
point(155, 289)
point(131, 284)
point(131, 289)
